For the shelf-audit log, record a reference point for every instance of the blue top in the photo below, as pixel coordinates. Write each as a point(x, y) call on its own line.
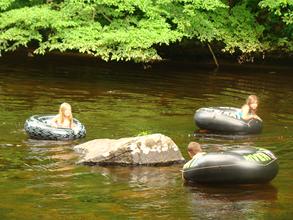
point(239, 114)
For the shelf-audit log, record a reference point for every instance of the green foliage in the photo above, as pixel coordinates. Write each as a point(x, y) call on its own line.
point(4, 4)
point(13, 4)
point(239, 30)
point(282, 8)
point(132, 29)
point(278, 22)
point(143, 133)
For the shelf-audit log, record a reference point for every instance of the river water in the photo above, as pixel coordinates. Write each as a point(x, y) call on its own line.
point(41, 180)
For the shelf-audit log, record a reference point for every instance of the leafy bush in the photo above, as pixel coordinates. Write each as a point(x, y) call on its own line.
point(132, 29)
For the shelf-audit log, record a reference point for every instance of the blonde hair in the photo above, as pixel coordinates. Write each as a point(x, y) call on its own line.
point(62, 109)
point(251, 99)
point(193, 148)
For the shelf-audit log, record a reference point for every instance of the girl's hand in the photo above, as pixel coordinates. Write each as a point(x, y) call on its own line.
point(256, 117)
point(53, 124)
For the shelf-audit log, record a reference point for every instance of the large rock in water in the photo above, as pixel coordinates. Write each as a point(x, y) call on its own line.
point(155, 149)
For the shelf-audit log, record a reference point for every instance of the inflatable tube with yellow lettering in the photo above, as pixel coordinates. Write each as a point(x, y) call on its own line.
point(240, 166)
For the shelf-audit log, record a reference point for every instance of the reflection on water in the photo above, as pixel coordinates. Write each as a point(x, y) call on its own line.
point(114, 101)
point(234, 193)
point(149, 177)
point(230, 201)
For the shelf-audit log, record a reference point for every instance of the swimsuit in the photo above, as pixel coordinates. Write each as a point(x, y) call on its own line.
point(239, 114)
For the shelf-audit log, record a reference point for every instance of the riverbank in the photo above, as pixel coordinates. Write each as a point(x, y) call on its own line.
point(173, 56)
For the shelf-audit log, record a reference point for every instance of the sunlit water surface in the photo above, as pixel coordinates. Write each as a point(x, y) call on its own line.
point(41, 180)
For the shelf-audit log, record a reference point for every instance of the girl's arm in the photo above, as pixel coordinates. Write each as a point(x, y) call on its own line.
point(72, 125)
point(257, 117)
point(245, 113)
point(54, 121)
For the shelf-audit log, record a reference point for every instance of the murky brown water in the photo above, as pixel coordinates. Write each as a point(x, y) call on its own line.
point(40, 179)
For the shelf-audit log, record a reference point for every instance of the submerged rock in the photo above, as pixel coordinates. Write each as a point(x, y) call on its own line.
point(155, 149)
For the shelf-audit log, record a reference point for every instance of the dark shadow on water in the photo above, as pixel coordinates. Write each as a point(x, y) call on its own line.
point(245, 192)
point(230, 201)
point(224, 136)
